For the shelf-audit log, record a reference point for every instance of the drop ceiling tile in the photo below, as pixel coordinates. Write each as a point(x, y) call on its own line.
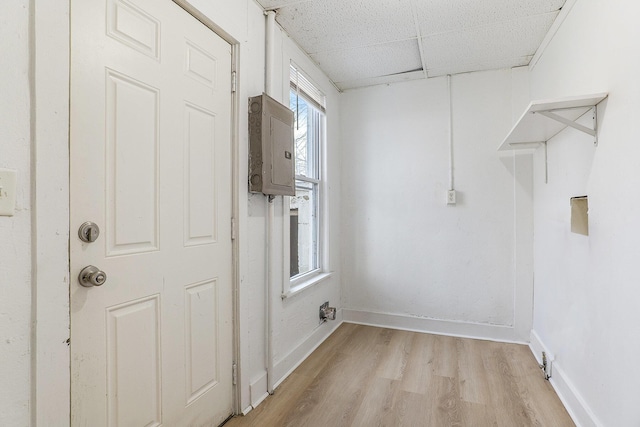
point(487, 44)
point(324, 25)
point(371, 61)
point(437, 16)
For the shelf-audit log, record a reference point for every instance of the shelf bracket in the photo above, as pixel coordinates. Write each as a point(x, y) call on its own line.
point(593, 132)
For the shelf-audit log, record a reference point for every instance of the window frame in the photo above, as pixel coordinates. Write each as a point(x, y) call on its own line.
point(295, 284)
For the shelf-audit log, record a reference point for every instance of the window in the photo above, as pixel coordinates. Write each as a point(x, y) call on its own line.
point(308, 105)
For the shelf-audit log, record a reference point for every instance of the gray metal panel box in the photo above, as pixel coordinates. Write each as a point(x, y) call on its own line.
point(271, 167)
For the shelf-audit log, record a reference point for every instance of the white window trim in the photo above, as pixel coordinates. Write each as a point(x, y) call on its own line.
point(292, 287)
point(308, 282)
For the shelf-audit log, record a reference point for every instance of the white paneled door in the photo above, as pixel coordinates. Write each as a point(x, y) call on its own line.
point(151, 166)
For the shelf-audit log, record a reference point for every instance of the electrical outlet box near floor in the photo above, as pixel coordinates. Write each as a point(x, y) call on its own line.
point(322, 315)
point(545, 366)
point(7, 192)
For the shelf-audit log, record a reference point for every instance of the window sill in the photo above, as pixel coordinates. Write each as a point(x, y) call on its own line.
point(301, 286)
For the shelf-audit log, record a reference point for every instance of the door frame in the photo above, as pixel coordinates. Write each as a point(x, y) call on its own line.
point(49, 72)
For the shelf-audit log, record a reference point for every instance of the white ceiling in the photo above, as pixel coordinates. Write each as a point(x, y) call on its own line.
point(364, 42)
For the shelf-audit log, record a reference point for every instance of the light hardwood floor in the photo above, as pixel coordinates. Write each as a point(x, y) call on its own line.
point(367, 376)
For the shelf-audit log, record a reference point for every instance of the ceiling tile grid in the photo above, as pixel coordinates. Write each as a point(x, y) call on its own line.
point(480, 66)
point(364, 42)
point(380, 80)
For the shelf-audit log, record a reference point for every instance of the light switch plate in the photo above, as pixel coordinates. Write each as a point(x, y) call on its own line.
point(7, 192)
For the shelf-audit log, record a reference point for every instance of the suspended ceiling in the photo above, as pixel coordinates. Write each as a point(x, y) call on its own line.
point(364, 42)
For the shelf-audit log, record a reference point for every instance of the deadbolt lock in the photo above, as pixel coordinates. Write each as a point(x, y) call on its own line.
point(92, 276)
point(89, 232)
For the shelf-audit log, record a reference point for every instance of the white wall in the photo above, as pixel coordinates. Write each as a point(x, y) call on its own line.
point(409, 260)
point(296, 330)
point(15, 232)
point(586, 288)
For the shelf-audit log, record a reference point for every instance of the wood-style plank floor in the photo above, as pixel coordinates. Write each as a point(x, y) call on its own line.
point(367, 376)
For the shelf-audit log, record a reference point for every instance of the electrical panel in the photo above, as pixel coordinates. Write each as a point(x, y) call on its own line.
point(271, 159)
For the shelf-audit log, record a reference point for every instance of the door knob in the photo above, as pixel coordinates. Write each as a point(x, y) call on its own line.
point(92, 276)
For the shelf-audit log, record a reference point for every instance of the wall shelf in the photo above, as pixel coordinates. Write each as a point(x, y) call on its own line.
point(543, 120)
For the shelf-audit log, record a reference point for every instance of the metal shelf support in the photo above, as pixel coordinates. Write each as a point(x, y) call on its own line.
point(571, 123)
point(544, 119)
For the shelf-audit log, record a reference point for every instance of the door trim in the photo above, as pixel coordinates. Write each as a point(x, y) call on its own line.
point(50, 278)
point(49, 76)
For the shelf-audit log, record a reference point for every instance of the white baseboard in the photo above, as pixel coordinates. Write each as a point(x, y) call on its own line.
point(284, 367)
point(577, 408)
point(258, 390)
point(434, 326)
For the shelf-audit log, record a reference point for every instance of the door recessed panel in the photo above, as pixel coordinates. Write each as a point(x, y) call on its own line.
point(132, 166)
point(201, 65)
point(201, 321)
point(133, 363)
point(200, 182)
point(134, 27)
